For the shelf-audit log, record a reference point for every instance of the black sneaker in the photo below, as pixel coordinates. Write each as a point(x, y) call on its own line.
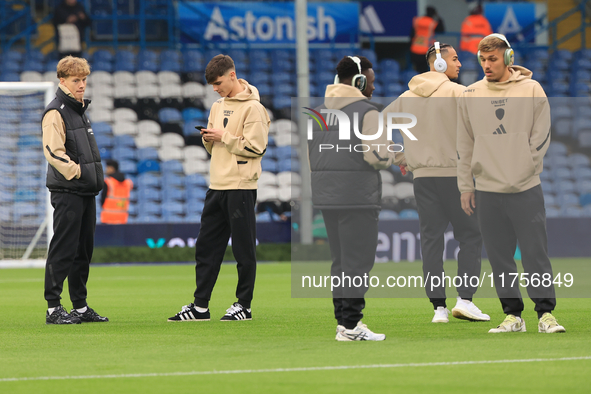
point(90, 316)
point(237, 312)
point(189, 313)
point(60, 316)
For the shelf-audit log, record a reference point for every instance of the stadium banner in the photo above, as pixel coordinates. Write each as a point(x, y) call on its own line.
point(512, 19)
point(266, 23)
point(170, 235)
point(387, 19)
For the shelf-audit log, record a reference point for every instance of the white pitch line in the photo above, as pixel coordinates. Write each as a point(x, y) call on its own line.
point(300, 369)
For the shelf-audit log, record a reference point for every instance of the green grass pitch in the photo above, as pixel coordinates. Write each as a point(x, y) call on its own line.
point(289, 347)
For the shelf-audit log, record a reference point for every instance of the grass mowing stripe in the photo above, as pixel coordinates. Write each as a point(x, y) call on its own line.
point(300, 369)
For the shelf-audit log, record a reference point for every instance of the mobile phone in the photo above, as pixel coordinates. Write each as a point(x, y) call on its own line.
point(199, 127)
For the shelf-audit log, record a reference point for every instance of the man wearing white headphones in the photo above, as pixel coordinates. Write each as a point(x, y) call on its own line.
point(432, 160)
point(346, 187)
point(503, 135)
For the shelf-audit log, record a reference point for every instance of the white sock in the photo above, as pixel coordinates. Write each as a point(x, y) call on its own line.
point(50, 310)
point(201, 310)
point(82, 310)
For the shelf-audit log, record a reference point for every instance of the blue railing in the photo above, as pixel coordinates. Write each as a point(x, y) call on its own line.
point(581, 30)
point(16, 23)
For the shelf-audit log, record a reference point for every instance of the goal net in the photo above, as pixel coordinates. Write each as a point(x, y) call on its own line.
point(25, 214)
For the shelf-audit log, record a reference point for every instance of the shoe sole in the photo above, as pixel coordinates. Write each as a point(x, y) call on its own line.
point(182, 321)
point(465, 315)
point(61, 324)
point(440, 321)
point(505, 332)
point(551, 332)
point(235, 319)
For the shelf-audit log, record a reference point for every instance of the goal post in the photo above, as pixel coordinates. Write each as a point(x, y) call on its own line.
point(26, 215)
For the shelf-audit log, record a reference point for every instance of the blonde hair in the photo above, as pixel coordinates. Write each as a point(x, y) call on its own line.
point(72, 66)
point(491, 43)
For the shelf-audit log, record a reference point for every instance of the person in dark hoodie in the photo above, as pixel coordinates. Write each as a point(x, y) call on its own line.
point(347, 188)
point(431, 158)
point(70, 19)
point(115, 195)
point(74, 178)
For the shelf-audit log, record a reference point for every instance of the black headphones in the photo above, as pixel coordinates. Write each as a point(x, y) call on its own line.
point(359, 80)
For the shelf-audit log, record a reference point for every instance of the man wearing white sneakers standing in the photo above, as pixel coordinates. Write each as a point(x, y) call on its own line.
point(432, 160)
point(503, 135)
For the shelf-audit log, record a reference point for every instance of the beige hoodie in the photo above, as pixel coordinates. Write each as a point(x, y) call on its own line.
point(236, 160)
point(432, 98)
point(338, 96)
point(503, 134)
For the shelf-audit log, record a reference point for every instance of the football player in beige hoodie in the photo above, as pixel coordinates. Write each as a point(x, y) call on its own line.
point(432, 160)
point(236, 137)
point(503, 134)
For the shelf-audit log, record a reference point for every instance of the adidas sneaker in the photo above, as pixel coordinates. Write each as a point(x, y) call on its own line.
point(237, 312)
point(189, 313)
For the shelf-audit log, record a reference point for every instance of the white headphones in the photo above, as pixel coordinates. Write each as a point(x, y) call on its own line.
point(439, 64)
point(359, 80)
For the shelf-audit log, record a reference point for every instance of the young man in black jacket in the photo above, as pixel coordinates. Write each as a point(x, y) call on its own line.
point(74, 178)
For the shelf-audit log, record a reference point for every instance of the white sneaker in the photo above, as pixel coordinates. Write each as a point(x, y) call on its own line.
point(466, 310)
point(549, 325)
point(340, 329)
point(441, 314)
point(359, 333)
point(510, 324)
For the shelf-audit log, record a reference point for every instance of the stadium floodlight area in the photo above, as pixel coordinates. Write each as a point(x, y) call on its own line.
point(26, 224)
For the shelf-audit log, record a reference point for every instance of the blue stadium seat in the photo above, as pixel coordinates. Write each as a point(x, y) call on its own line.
point(388, 214)
point(568, 199)
point(581, 173)
point(128, 166)
point(194, 207)
point(148, 165)
point(561, 173)
point(195, 180)
point(572, 211)
point(102, 66)
point(148, 194)
point(408, 214)
point(147, 154)
point(370, 55)
point(585, 199)
point(170, 66)
point(407, 76)
point(172, 180)
point(171, 166)
point(195, 194)
point(13, 56)
point(33, 65)
point(267, 164)
point(171, 194)
point(577, 160)
point(191, 113)
point(148, 180)
point(10, 77)
point(170, 115)
point(286, 89)
point(264, 89)
point(557, 148)
point(281, 77)
point(583, 186)
point(281, 102)
point(124, 141)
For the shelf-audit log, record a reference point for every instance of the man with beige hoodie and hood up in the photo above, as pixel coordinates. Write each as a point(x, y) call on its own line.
point(347, 188)
point(432, 159)
point(503, 134)
point(236, 137)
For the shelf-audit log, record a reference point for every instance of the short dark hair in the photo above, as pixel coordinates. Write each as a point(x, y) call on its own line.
point(217, 67)
point(443, 47)
point(347, 68)
point(113, 163)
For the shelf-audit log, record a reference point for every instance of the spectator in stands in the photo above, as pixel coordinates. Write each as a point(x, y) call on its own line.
point(74, 178)
point(350, 198)
point(421, 36)
point(432, 160)
point(115, 195)
point(501, 143)
point(236, 137)
point(474, 28)
point(70, 19)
